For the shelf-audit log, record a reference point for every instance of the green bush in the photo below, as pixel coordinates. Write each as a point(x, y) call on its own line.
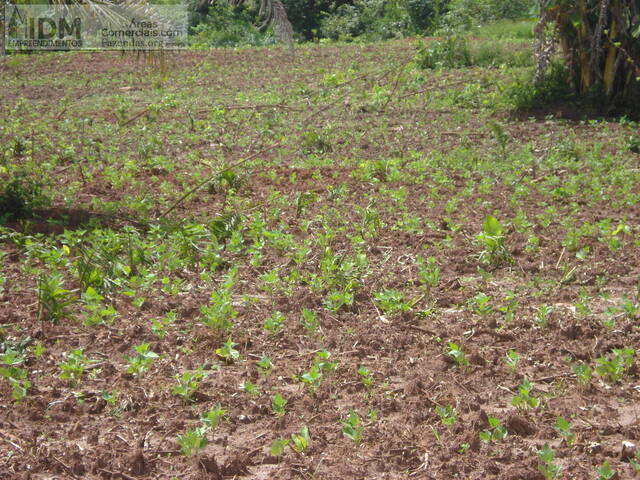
point(346, 23)
point(370, 20)
point(19, 196)
point(373, 20)
point(228, 26)
point(451, 52)
point(553, 88)
point(306, 15)
point(425, 15)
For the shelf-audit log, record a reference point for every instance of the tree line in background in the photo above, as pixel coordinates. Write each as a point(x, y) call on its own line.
point(221, 24)
point(598, 40)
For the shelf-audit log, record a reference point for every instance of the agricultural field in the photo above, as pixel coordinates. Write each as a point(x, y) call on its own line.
point(336, 265)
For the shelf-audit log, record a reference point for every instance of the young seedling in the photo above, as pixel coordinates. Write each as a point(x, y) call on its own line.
point(583, 373)
point(366, 376)
point(274, 323)
point(97, 312)
point(310, 321)
point(312, 378)
point(250, 388)
point(455, 352)
point(16, 376)
point(391, 302)
point(510, 308)
point(228, 352)
point(38, 350)
point(159, 326)
point(112, 400)
point(300, 441)
point(74, 367)
point(524, 399)
point(481, 305)
point(501, 136)
point(542, 317)
point(635, 461)
point(492, 238)
point(336, 299)
point(265, 365)
point(322, 360)
point(139, 364)
point(463, 448)
point(629, 308)
point(605, 472)
point(188, 383)
point(352, 427)
point(485, 275)
point(428, 272)
point(53, 298)
point(219, 314)
point(512, 359)
point(447, 414)
point(278, 403)
point(278, 446)
point(563, 427)
point(614, 366)
point(496, 431)
point(211, 419)
point(546, 467)
point(193, 441)
point(582, 306)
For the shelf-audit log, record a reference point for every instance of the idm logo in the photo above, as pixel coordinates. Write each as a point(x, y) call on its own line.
point(26, 23)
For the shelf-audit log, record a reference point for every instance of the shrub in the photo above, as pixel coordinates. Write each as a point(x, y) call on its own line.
point(451, 52)
point(306, 15)
point(20, 194)
point(228, 26)
point(424, 15)
point(371, 19)
point(553, 88)
point(344, 24)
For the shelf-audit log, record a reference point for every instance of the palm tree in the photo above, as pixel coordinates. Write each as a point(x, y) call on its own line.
point(600, 41)
point(272, 12)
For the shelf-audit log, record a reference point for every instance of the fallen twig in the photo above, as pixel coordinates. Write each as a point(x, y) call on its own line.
point(117, 474)
point(214, 176)
point(135, 117)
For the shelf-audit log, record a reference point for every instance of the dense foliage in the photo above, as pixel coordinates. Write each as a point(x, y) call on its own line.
point(222, 25)
point(600, 41)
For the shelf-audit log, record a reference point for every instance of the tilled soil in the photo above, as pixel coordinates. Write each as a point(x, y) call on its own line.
point(66, 429)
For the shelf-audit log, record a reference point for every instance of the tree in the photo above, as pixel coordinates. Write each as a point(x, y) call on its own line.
point(274, 13)
point(271, 11)
point(600, 41)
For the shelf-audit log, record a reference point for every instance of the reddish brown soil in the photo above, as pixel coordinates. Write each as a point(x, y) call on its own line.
point(69, 431)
